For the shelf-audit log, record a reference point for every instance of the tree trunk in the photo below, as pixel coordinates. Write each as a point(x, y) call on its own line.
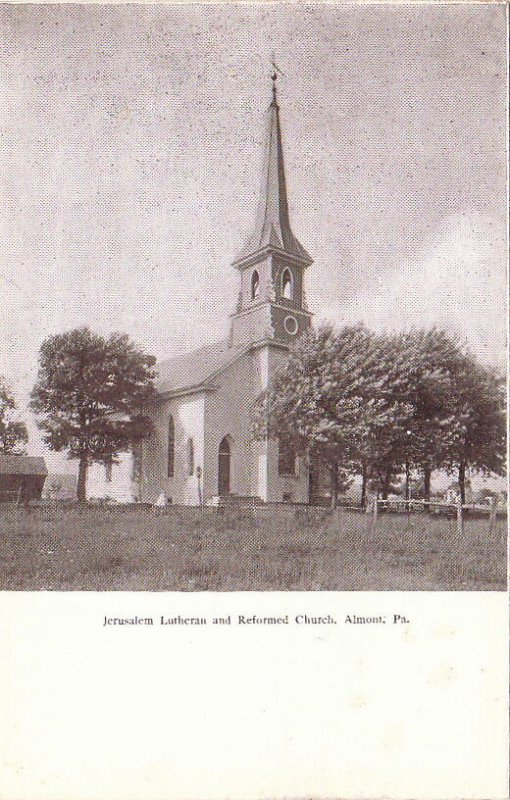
point(462, 482)
point(364, 481)
point(334, 484)
point(427, 478)
point(386, 483)
point(408, 484)
point(81, 487)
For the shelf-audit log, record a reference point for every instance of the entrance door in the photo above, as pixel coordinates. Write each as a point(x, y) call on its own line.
point(224, 467)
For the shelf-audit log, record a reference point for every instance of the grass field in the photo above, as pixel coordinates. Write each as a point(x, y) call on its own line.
point(58, 548)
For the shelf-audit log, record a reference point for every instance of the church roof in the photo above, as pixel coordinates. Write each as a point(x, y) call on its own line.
point(194, 369)
point(272, 227)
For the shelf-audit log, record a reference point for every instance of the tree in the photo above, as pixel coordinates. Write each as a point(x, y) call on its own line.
point(476, 437)
point(298, 407)
point(458, 420)
point(384, 405)
point(333, 401)
point(13, 432)
point(447, 410)
point(91, 393)
point(420, 371)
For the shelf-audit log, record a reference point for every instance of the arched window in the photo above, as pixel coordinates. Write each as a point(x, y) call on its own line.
point(190, 453)
point(287, 287)
point(255, 285)
point(224, 457)
point(171, 448)
point(286, 457)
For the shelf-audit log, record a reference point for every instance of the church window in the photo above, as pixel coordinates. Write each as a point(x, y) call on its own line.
point(287, 286)
point(255, 285)
point(286, 457)
point(108, 469)
point(170, 448)
point(190, 453)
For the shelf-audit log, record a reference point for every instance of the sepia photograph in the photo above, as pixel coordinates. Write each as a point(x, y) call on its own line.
point(253, 297)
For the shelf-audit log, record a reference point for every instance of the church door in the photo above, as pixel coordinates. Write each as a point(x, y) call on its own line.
point(224, 467)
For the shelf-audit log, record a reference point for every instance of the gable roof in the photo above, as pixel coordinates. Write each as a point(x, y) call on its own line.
point(22, 465)
point(195, 369)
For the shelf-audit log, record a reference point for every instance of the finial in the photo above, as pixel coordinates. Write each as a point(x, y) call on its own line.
point(274, 76)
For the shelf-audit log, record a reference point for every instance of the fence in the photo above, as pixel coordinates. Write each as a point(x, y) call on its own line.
point(456, 509)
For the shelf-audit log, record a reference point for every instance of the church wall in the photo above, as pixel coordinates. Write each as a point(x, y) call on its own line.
point(279, 313)
point(182, 488)
point(207, 419)
point(121, 487)
point(271, 485)
point(252, 326)
point(227, 413)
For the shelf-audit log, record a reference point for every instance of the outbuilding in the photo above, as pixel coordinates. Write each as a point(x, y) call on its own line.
point(21, 477)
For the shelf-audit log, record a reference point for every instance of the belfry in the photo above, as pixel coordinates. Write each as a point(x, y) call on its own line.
point(273, 262)
point(201, 450)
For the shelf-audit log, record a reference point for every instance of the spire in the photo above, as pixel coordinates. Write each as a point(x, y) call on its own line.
point(272, 228)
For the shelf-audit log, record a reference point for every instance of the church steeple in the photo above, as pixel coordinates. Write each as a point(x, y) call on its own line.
point(271, 301)
point(272, 228)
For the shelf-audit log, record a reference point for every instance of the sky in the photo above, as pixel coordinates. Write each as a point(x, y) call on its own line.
point(132, 141)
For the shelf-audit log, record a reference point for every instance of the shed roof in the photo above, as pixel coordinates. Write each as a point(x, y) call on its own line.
point(194, 369)
point(22, 465)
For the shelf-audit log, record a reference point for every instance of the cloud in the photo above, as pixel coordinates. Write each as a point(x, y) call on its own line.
point(457, 282)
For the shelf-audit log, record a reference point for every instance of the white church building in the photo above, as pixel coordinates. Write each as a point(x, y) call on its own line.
point(201, 448)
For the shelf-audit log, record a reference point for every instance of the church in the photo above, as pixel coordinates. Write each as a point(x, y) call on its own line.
point(201, 450)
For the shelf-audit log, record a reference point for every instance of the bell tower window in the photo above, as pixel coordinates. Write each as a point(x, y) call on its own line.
point(255, 285)
point(287, 285)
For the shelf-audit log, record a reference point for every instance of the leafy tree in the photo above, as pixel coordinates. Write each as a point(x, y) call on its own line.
point(451, 409)
point(476, 436)
point(333, 400)
point(458, 419)
point(13, 432)
point(420, 372)
point(90, 394)
point(382, 405)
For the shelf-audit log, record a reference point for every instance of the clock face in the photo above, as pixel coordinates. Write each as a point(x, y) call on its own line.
point(290, 324)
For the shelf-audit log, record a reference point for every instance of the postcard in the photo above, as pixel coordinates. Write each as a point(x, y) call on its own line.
point(253, 493)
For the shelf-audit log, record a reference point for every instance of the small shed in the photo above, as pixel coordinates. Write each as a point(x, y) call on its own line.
point(21, 477)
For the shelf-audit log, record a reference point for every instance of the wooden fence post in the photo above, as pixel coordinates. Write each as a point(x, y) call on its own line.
point(460, 518)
